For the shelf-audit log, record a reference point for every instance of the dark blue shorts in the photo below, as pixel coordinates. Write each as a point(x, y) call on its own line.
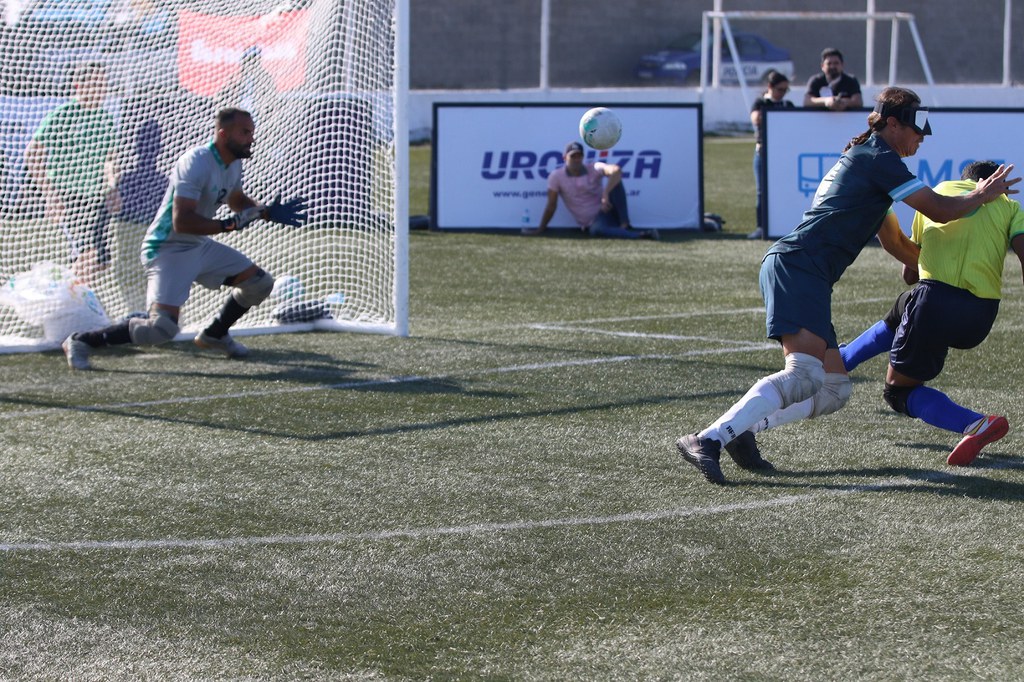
point(796, 297)
point(893, 318)
point(939, 317)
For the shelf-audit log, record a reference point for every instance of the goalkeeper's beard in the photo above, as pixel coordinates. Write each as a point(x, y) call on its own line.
point(240, 151)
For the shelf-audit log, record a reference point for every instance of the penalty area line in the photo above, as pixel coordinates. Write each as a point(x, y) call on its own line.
point(462, 530)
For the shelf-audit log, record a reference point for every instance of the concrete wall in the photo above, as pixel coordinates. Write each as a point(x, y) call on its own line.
point(495, 44)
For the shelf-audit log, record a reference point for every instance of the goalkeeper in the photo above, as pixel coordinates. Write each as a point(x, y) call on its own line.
point(178, 250)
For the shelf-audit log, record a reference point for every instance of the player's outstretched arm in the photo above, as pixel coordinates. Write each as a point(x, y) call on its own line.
point(246, 211)
point(944, 209)
point(187, 220)
point(897, 244)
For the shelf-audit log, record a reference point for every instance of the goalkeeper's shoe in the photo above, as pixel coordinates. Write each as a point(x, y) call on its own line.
point(991, 429)
point(704, 454)
point(77, 353)
point(226, 345)
point(744, 451)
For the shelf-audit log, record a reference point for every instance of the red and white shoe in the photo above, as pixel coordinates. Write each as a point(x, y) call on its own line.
point(991, 429)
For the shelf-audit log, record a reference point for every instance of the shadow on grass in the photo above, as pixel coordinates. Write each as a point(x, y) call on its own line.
point(290, 365)
point(406, 386)
point(958, 482)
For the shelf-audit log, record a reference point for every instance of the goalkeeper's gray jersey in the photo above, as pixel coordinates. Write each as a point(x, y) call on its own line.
point(199, 174)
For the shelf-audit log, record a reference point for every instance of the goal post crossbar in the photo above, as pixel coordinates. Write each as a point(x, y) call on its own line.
point(718, 18)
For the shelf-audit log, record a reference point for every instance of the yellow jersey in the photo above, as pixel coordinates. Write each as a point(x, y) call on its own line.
point(968, 252)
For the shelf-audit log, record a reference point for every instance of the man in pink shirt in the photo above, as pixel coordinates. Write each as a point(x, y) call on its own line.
point(594, 195)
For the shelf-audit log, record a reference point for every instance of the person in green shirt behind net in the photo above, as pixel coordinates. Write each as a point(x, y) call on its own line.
point(72, 159)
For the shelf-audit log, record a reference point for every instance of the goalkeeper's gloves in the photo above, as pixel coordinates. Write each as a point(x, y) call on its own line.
point(241, 220)
point(291, 212)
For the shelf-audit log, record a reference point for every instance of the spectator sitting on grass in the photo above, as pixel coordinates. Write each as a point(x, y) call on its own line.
point(594, 194)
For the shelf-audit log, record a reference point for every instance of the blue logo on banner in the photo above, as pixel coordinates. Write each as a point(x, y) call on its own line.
point(529, 165)
point(812, 168)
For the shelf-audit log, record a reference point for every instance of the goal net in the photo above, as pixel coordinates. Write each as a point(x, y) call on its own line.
point(99, 98)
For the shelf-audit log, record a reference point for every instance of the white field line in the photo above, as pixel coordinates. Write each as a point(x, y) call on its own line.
point(469, 529)
point(731, 346)
point(662, 316)
point(645, 335)
point(704, 313)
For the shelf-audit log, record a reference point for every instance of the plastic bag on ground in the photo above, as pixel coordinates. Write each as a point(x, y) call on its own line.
point(49, 296)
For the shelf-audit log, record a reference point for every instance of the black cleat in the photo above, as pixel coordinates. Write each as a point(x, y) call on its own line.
point(704, 454)
point(744, 451)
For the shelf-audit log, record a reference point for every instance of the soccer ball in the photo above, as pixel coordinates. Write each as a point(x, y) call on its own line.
point(600, 128)
point(288, 288)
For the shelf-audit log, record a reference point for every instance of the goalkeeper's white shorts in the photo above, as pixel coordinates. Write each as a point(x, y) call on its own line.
point(177, 265)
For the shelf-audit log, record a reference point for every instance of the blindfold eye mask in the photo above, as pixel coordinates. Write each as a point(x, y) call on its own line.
point(909, 115)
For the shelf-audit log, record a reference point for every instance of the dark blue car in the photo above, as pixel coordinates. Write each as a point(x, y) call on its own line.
point(679, 62)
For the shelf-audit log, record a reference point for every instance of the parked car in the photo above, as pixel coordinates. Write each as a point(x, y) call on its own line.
point(679, 62)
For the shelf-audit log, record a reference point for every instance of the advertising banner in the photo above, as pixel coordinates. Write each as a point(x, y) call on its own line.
point(211, 47)
point(803, 144)
point(492, 161)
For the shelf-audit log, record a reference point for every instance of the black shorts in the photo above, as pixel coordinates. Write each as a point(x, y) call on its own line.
point(895, 315)
point(939, 317)
point(86, 226)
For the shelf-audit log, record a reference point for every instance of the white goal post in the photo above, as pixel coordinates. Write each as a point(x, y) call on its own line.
point(721, 19)
point(98, 99)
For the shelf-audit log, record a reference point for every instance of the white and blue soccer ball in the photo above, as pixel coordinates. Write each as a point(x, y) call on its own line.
point(600, 128)
point(288, 288)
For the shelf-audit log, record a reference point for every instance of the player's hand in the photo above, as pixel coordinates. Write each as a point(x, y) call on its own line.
point(291, 212)
point(998, 184)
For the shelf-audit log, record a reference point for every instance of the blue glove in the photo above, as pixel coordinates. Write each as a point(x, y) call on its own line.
point(291, 212)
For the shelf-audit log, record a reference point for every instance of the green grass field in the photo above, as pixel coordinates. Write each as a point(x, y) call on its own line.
point(498, 496)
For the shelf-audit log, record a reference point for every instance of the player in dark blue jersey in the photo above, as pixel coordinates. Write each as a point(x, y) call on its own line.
point(799, 271)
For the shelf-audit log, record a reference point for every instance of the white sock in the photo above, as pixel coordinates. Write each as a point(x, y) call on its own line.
point(761, 401)
point(973, 427)
point(795, 412)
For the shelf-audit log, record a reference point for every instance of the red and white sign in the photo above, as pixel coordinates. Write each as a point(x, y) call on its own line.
point(210, 49)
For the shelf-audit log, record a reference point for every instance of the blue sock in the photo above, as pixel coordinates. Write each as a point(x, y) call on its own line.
point(876, 340)
point(935, 408)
